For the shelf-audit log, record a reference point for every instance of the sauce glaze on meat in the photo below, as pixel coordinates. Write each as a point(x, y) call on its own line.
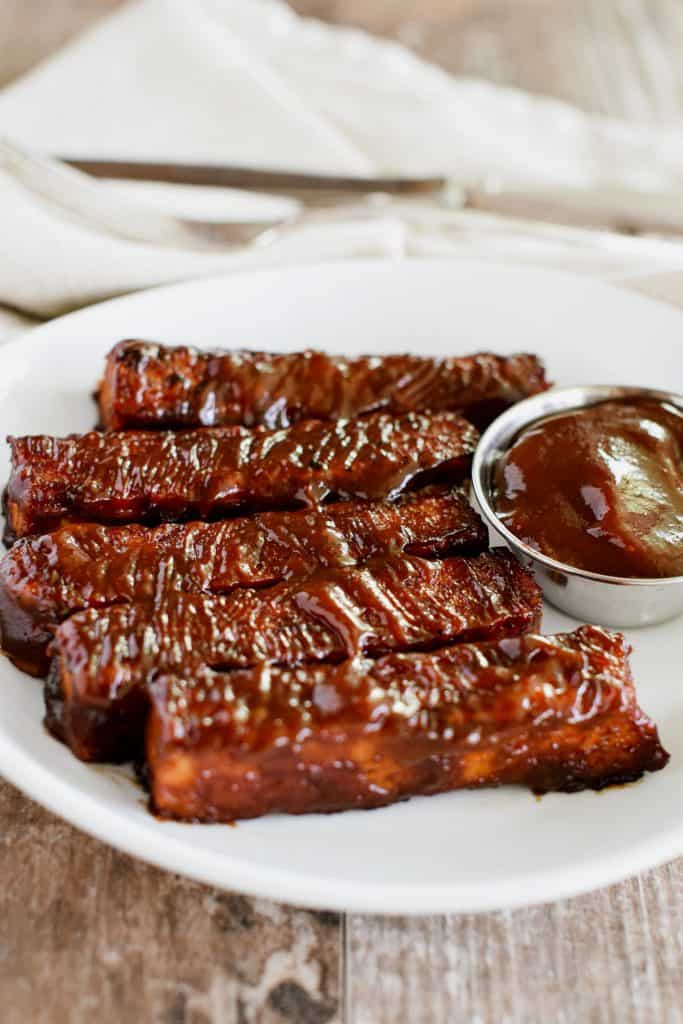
point(552, 713)
point(147, 385)
point(44, 579)
point(209, 474)
point(96, 691)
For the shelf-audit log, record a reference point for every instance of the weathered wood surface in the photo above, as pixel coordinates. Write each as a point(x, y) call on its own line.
point(87, 934)
point(612, 957)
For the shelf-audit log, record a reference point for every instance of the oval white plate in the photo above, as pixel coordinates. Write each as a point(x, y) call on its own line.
point(457, 852)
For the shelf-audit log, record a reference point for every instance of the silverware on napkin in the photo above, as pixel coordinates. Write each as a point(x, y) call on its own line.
point(549, 213)
point(630, 211)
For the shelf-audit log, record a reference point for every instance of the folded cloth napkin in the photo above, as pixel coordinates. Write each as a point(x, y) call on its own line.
point(248, 82)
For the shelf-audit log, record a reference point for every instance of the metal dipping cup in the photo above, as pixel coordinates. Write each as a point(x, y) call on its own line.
point(589, 596)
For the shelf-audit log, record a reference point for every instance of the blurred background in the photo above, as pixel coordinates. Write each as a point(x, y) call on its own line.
point(620, 57)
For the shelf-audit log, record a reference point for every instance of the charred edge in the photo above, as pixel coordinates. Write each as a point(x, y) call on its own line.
point(113, 732)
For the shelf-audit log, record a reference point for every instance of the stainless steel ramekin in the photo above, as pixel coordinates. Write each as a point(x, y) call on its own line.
point(589, 596)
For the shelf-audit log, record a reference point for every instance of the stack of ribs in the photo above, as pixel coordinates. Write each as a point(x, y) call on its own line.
point(264, 578)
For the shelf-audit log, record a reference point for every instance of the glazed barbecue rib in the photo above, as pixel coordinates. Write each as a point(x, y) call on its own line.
point(44, 579)
point(208, 474)
point(148, 385)
point(548, 712)
point(96, 694)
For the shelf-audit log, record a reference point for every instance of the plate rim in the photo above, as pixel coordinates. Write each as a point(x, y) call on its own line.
point(89, 815)
point(366, 265)
point(226, 871)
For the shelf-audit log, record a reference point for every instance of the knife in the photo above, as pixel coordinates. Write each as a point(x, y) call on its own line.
point(630, 211)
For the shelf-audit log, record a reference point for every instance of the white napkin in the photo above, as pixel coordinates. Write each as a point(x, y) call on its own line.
point(248, 82)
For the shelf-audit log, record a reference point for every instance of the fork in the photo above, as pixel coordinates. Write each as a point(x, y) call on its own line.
point(95, 204)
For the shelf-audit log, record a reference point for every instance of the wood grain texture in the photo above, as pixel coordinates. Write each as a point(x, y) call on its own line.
point(613, 957)
point(89, 934)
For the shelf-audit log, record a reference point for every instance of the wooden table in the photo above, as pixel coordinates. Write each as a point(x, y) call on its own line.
point(87, 934)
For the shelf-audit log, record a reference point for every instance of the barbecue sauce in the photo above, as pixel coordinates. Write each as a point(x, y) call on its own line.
point(600, 488)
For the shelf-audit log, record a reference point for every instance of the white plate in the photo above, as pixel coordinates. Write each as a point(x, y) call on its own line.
point(457, 852)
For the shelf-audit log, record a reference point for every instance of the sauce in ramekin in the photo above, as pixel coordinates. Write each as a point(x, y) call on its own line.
point(599, 488)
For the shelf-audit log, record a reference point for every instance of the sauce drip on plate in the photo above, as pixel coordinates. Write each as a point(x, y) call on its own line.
point(600, 488)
